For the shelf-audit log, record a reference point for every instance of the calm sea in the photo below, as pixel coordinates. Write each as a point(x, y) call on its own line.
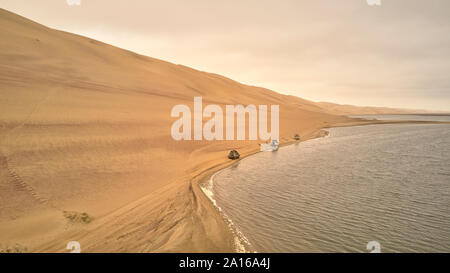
point(383, 183)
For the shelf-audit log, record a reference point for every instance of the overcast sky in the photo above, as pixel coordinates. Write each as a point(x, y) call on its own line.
point(396, 54)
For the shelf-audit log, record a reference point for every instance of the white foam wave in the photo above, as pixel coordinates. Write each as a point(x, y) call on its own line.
point(240, 240)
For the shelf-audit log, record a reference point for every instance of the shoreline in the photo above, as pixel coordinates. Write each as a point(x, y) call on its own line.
point(242, 245)
point(176, 217)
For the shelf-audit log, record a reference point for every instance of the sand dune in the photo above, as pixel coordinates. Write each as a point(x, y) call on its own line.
point(343, 109)
point(85, 128)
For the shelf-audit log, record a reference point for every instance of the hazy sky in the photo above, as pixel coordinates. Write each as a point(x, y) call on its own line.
point(396, 54)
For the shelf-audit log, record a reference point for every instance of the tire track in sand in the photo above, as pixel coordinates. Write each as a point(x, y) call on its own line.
point(5, 163)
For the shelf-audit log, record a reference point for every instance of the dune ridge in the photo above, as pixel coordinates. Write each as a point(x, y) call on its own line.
point(85, 129)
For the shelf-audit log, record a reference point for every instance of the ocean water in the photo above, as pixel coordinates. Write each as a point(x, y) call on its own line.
point(383, 183)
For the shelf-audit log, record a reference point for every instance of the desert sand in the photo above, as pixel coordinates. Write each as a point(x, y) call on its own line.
point(86, 152)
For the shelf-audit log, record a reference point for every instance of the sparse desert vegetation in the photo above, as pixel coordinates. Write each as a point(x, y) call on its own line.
point(77, 217)
point(17, 248)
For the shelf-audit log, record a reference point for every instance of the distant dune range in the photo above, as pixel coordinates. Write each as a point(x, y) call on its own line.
point(85, 128)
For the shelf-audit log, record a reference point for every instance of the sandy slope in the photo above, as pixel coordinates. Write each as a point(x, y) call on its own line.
point(85, 127)
point(341, 109)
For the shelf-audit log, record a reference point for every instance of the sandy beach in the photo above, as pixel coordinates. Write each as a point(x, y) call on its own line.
point(86, 152)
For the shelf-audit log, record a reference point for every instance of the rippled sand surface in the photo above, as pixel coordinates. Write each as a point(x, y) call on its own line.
point(385, 183)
